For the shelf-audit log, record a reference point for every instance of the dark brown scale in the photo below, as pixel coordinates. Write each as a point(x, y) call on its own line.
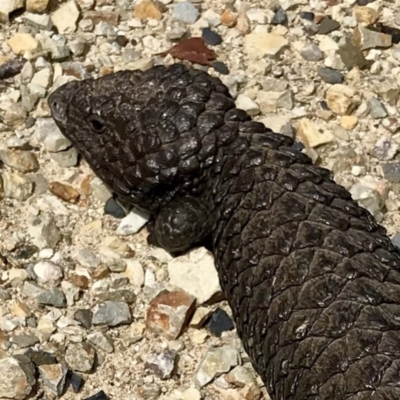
point(312, 279)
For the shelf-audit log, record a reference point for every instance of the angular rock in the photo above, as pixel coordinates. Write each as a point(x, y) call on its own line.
point(16, 186)
point(54, 377)
point(169, 312)
point(262, 44)
point(162, 364)
point(220, 322)
point(185, 12)
point(217, 361)
point(341, 99)
point(310, 135)
point(101, 341)
point(247, 104)
point(17, 377)
point(65, 17)
point(352, 56)
point(22, 42)
point(37, 6)
point(54, 297)
point(365, 16)
point(195, 273)
point(132, 223)
point(329, 75)
point(9, 6)
point(43, 231)
point(23, 161)
point(48, 273)
point(368, 39)
point(80, 357)
point(112, 313)
point(376, 109)
point(311, 52)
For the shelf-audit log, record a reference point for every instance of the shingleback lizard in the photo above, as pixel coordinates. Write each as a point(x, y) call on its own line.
point(312, 280)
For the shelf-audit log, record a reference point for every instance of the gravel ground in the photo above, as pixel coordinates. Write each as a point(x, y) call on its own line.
point(88, 310)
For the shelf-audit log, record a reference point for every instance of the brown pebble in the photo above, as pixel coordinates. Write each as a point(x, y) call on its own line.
point(100, 272)
point(169, 313)
point(80, 281)
point(64, 192)
point(229, 18)
point(105, 71)
point(148, 9)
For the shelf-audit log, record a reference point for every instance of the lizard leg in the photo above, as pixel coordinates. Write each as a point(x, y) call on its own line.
point(185, 222)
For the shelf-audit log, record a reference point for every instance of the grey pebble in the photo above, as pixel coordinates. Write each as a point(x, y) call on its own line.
point(328, 25)
point(112, 313)
point(377, 109)
point(311, 52)
point(23, 341)
point(54, 297)
point(210, 37)
point(280, 17)
point(185, 12)
point(330, 75)
point(84, 316)
point(391, 171)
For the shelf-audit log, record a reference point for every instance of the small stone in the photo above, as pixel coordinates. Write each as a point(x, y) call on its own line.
point(80, 357)
point(310, 135)
point(48, 273)
point(247, 104)
point(221, 68)
point(391, 172)
point(185, 12)
point(264, 44)
point(217, 361)
point(54, 297)
point(76, 382)
point(23, 341)
point(101, 341)
point(169, 312)
point(162, 364)
point(87, 258)
point(54, 377)
point(132, 223)
point(385, 149)
point(112, 313)
point(365, 16)
point(23, 42)
point(38, 21)
point(368, 39)
point(135, 273)
point(307, 15)
point(47, 131)
point(229, 18)
point(9, 6)
point(84, 316)
point(23, 161)
point(96, 17)
point(40, 357)
point(122, 40)
point(195, 273)
point(220, 322)
point(210, 37)
point(328, 25)
point(243, 24)
point(65, 17)
point(280, 17)
point(16, 186)
point(80, 281)
point(148, 9)
point(113, 208)
point(352, 56)
point(329, 75)
point(175, 30)
point(349, 122)
point(98, 396)
point(311, 52)
point(37, 6)
point(67, 158)
point(10, 68)
point(64, 192)
point(376, 109)
point(341, 99)
point(17, 377)
point(44, 232)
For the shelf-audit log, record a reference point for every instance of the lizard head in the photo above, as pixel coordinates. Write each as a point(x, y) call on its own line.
point(146, 134)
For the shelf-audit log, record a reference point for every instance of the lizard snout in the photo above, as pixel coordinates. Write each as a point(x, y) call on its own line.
point(59, 100)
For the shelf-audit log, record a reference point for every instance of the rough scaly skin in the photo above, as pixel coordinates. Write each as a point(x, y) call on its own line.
point(313, 281)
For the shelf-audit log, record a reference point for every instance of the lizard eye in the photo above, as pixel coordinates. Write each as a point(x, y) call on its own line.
point(97, 124)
